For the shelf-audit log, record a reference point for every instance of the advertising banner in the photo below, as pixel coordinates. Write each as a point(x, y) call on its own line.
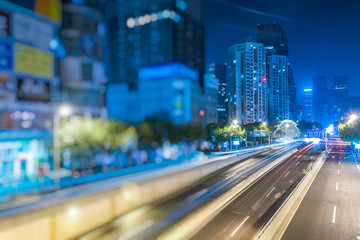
point(260, 133)
point(4, 24)
point(33, 90)
point(33, 61)
point(5, 55)
point(33, 31)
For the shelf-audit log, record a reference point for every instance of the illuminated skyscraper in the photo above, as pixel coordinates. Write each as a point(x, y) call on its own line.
point(308, 114)
point(142, 33)
point(321, 100)
point(278, 88)
point(247, 82)
point(340, 97)
point(219, 71)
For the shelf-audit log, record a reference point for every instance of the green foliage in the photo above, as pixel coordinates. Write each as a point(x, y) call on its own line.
point(227, 133)
point(350, 132)
point(82, 134)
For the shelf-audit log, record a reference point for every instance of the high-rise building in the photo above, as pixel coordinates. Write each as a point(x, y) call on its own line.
point(321, 100)
point(81, 69)
point(28, 85)
point(308, 112)
point(273, 35)
point(219, 71)
point(278, 88)
point(340, 97)
point(292, 96)
point(247, 82)
point(142, 33)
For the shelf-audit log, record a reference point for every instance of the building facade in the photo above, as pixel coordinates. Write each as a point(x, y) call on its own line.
point(292, 96)
point(308, 111)
point(28, 86)
point(168, 91)
point(340, 97)
point(219, 71)
point(247, 83)
point(321, 101)
point(273, 35)
point(82, 77)
point(278, 88)
point(142, 33)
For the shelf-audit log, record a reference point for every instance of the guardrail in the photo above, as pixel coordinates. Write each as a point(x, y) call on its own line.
point(83, 208)
point(276, 226)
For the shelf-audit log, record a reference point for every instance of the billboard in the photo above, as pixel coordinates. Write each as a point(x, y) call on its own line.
point(33, 90)
point(33, 31)
point(260, 133)
point(4, 24)
point(33, 61)
point(5, 55)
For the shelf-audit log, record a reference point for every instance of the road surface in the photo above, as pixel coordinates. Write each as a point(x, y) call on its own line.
point(245, 216)
point(150, 221)
point(330, 209)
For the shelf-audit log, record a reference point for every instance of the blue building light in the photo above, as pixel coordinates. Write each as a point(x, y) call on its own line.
point(168, 70)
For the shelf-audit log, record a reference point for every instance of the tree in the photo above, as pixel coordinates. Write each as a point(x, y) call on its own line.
point(350, 132)
point(228, 133)
point(87, 136)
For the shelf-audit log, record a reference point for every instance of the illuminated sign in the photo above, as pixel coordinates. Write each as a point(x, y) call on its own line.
point(260, 133)
point(32, 90)
point(5, 55)
point(30, 30)
point(168, 70)
point(236, 143)
point(32, 61)
point(4, 24)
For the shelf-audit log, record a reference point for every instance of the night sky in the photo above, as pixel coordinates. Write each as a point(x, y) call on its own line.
point(324, 36)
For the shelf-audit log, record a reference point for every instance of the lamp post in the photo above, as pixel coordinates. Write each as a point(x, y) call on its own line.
point(63, 111)
point(268, 131)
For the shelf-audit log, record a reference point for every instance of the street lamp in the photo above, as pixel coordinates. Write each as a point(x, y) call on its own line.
point(235, 122)
point(353, 118)
point(63, 111)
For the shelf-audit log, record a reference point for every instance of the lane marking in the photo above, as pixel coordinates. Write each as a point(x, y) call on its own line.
point(339, 162)
point(337, 186)
point(338, 171)
point(297, 163)
point(334, 215)
point(358, 167)
point(270, 192)
point(311, 157)
point(286, 174)
point(233, 233)
point(137, 230)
